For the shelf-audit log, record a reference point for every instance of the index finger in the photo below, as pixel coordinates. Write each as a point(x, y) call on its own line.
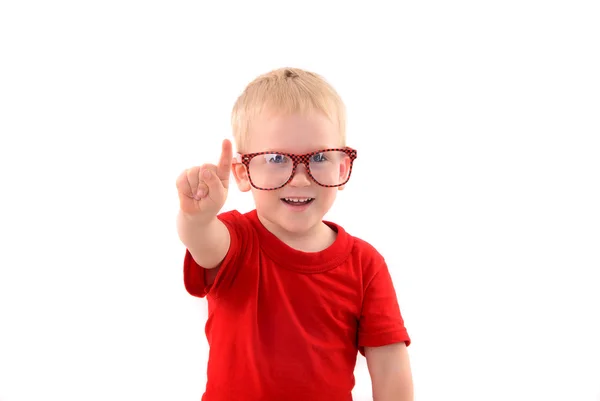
point(224, 166)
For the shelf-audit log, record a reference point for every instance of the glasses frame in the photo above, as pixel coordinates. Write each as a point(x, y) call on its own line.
point(297, 159)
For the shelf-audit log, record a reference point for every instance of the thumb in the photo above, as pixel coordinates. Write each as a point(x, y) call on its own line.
point(216, 190)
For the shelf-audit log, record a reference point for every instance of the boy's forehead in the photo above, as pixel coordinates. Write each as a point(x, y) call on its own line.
point(293, 133)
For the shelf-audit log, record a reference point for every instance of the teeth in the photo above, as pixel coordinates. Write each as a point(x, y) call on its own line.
point(297, 200)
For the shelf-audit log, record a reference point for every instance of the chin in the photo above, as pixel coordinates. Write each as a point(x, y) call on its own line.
point(293, 222)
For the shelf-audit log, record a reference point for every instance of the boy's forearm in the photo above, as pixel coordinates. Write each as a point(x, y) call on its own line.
point(207, 241)
point(394, 391)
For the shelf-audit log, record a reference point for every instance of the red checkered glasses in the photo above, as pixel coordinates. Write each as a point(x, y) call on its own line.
point(327, 167)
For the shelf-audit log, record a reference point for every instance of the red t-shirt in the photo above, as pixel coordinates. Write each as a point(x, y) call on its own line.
point(288, 325)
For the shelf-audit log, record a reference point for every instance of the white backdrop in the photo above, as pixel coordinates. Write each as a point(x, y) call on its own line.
point(477, 125)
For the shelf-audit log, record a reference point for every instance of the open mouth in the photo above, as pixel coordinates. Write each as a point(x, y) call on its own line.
point(298, 201)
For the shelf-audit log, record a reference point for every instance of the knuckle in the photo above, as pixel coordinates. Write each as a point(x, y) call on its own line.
point(207, 166)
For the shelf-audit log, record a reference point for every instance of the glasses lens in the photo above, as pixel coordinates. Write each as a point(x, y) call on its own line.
point(330, 168)
point(270, 170)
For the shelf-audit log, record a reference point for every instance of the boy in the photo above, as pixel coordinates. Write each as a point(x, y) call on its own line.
point(292, 299)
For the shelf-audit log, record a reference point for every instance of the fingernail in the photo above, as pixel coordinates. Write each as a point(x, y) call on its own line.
point(200, 194)
point(206, 174)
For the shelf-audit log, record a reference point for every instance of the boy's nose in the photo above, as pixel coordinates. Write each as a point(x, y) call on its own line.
point(301, 177)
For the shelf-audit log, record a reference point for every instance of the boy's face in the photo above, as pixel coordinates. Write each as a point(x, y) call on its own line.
point(295, 134)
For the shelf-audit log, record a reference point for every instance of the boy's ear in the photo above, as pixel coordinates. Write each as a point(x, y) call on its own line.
point(241, 176)
point(344, 170)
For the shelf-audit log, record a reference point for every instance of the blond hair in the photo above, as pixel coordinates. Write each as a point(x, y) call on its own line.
point(286, 90)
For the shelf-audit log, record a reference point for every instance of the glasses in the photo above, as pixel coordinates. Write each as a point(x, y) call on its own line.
point(327, 167)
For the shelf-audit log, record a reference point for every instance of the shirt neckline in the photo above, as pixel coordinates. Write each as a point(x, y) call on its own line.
point(300, 261)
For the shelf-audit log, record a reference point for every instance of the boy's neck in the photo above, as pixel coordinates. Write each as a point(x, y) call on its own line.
point(318, 238)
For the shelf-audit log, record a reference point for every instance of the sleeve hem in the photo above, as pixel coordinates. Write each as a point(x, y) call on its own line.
point(385, 338)
point(195, 275)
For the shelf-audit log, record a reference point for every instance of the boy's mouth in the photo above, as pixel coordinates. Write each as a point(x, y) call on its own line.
point(298, 201)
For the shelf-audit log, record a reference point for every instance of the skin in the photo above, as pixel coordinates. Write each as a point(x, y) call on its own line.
point(203, 194)
point(390, 371)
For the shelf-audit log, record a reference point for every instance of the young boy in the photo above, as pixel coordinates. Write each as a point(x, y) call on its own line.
point(292, 298)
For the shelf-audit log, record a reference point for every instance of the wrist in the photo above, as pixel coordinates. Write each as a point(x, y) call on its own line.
point(196, 219)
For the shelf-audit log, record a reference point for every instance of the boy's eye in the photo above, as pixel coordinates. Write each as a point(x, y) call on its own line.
point(319, 157)
point(276, 158)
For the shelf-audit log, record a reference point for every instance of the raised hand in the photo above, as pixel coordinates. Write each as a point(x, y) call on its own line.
point(203, 189)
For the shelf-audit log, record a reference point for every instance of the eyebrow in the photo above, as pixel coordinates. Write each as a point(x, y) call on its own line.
point(271, 150)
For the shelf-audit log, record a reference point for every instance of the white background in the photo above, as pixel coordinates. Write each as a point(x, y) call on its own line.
point(477, 125)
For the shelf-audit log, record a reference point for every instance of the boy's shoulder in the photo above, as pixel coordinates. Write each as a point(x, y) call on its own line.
point(362, 248)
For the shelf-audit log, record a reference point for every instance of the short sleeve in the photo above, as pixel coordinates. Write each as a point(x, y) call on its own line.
point(201, 282)
point(381, 322)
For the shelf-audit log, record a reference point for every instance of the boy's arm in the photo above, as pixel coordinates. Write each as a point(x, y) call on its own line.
point(383, 338)
point(390, 371)
point(202, 193)
point(208, 242)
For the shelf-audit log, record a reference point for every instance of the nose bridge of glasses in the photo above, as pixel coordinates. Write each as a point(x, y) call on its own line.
point(300, 163)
